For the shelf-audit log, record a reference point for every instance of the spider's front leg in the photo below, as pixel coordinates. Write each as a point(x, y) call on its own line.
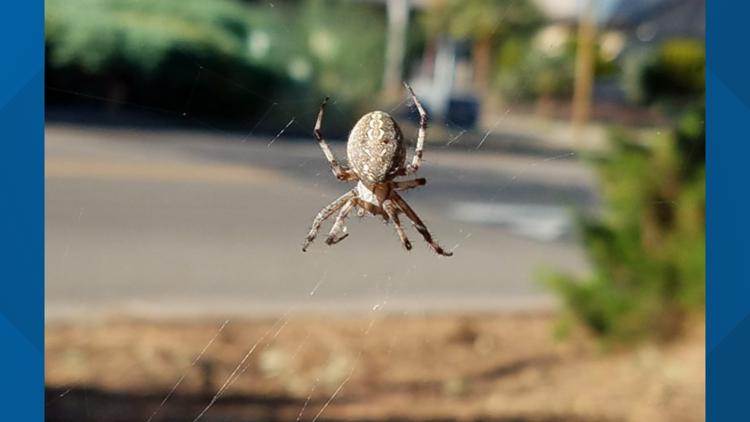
point(417, 159)
point(342, 173)
point(324, 214)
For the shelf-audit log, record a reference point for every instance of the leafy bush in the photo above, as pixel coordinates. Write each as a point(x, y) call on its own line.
point(483, 23)
point(673, 71)
point(333, 45)
point(222, 58)
point(324, 48)
point(349, 55)
point(535, 75)
point(177, 56)
point(648, 247)
point(94, 33)
point(678, 70)
point(478, 19)
point(525, 73)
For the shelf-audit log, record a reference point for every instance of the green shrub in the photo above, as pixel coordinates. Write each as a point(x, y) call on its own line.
point(647, 248)
point(675, 70)
point(512, 53)
point(679, 69)
point(349, 55)
point(93, 33)
point(524, 73)
point(221, 58)
point(172, 56)
point(324, 48)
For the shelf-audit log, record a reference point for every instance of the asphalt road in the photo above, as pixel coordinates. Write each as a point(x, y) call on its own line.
point(184, 223)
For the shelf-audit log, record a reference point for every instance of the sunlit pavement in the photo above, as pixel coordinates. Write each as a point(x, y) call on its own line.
point(181, 224)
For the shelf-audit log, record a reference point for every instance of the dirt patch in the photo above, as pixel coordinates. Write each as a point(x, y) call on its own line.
point(368, 368)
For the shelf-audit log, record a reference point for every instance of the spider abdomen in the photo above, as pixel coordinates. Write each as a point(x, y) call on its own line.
point(375, 147)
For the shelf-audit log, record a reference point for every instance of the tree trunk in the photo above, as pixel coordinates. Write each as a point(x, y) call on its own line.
point(398, 19)
point(482, 57)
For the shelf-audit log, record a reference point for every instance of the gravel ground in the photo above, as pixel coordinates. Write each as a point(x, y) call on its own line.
point(376, 367)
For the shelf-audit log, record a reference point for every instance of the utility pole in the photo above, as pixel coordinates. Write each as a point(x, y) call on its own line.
point(584, 70)
point(398, 20)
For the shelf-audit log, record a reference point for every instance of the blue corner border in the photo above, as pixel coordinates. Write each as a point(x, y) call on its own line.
point(22, 211)
point(728, 161)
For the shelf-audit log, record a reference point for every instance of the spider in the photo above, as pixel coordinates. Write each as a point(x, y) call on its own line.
point(377, 156)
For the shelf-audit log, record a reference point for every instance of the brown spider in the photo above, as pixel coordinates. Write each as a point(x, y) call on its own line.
point(377, 155)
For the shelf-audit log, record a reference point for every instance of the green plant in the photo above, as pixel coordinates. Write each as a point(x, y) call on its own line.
point(224, 59)
point(535, 76)
point(176, 57)
point(347, 44)
point(678, 70)
point(326, 48)
point(647, 247)
point(675, 70)
point(483, 22)
point(525, 73)
point(92, 34)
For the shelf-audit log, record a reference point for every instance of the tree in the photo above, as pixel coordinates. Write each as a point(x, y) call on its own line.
point(484, 23)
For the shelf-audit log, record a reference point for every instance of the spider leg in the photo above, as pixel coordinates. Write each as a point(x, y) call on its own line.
point(418, 224)
point(338, 226)
point(341, 172)
point(409, 184)
point(392, 212)
point(417, 159)
point(324, 214)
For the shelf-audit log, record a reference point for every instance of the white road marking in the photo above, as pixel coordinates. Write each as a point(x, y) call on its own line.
point(538, 222)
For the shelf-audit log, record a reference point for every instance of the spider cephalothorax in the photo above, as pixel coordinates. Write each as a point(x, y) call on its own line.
point(377, 155)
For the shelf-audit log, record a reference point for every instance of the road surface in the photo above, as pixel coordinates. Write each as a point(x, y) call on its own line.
point(179, 223)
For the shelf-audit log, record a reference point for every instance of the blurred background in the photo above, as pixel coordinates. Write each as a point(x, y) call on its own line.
point(565, 162)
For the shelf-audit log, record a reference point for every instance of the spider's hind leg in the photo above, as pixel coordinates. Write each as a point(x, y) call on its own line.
point(392, 211)
point(324, 214)
point(409, 184)
point(338, 231)
point(418, 224)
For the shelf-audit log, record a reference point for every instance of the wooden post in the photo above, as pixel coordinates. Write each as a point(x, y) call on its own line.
point(398, 19)
point(584, 71)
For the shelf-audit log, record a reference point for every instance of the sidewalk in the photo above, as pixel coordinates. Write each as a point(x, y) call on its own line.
point(524, 134)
